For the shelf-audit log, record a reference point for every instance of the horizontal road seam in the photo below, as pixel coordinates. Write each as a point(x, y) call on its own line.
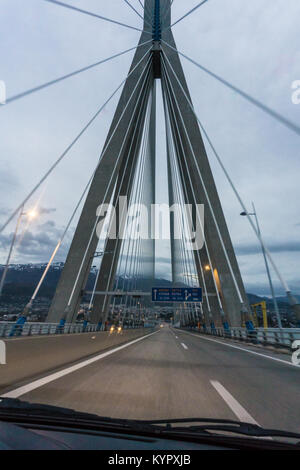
point(243, 349)
point(57, 375)
point(233, 404)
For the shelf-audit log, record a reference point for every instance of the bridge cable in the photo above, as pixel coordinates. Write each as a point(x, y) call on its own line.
point(140, 174)
point(123, 248)
point(112, 176)
point(132, 7)
point(80, 10)
point(189, 13)
point(125, 268)
point(239, 198)
point(208, 200)
point(144, 19)
point(176, 186)
point(110, 273)
point(190, 263)
point(66, 151)
point(69, 75)
point(63, 236)
point(140, 180)
point(207, 196)
point(181, 220)
point(111, 222)
point(198, 255)
point(181, 169)
point(182, 202)
point(293, 127)
point(39, 285)
point(109, 229)
point(141, 4)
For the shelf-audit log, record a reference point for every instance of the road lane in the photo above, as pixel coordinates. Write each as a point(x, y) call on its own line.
point(31, 357)
point(149, 380)
point(267, 389)
point(159, 378)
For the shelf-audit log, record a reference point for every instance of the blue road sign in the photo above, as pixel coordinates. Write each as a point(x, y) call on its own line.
point(177, 294)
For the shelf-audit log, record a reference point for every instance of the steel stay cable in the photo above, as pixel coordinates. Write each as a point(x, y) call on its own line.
point(198, 251)
point(135, 189)
point(192, 188)
point(183, 254)
point(66, 151)
point(123, 211)
point(240, 92)
point(60, 242)
point(169, 159)
point(139, 179)
point(123, 214)
point(89, 13)
point(112, 176)
point(110, 224)
point(181, 202)
point(132, 7)
point(71, 74)
point(180, 223)
point(283, 282)
point(138, 259)
point(183, 257)
point(207, 196)
point(189, 12)
point(200, 263)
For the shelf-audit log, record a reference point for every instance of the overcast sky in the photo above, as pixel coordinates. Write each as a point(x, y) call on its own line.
point(253, 44)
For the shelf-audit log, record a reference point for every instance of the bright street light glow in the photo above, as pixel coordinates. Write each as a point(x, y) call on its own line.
point(32, 214)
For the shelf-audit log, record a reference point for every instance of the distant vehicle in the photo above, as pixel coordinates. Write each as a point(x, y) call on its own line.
point(112, 329)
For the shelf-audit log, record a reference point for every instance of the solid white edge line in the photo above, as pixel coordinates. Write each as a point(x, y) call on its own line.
point(233, 404)
point(243, 349)
point(57, 375)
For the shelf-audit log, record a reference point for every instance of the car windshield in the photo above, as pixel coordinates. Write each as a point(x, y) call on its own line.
point(149, 214)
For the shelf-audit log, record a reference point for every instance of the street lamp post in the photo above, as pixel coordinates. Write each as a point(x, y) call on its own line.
point(254, 213)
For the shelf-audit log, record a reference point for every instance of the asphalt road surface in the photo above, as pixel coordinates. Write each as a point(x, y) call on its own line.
point(176, 374)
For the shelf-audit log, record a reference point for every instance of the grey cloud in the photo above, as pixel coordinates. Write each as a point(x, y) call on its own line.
point(4, 212)
point(44, 210)
point(37, 245)
point(263, 288)
point(282, 247)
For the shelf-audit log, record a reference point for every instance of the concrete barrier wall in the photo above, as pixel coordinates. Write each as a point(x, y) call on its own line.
point(30, 357)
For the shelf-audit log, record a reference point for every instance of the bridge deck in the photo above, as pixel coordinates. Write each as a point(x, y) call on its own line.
point(176, 374)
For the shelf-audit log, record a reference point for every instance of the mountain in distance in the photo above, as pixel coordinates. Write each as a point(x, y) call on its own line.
point(22, 279)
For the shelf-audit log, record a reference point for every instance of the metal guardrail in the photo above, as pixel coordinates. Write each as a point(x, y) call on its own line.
point(11, 329)
point(283, 338)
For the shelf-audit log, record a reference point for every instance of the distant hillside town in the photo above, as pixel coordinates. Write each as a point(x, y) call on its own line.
point(22, 279)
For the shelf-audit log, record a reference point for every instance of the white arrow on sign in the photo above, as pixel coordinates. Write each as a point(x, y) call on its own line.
point(187, 295)
point(2, 353)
